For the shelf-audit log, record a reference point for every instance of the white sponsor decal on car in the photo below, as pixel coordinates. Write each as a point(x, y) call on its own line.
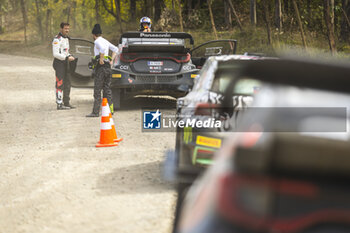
point(122, 67)
point(155, 67)
point(154, 35)
point(155, 63)
point(187, 67)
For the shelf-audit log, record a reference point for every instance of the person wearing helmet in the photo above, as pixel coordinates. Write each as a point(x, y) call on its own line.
point(145, 24)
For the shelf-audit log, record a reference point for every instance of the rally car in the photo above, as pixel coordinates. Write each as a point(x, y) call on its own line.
point(195, 146)
point(154, 63)
point(288, 170)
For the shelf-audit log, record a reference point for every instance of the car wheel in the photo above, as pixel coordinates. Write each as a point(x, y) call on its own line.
point(117, 98)
point(181, 194)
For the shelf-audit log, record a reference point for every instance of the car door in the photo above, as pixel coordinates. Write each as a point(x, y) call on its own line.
point(200, 53)
point(83, 50)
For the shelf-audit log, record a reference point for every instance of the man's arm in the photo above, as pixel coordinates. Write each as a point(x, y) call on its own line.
point(102, 56)
point(114, 50)
point(114, 54)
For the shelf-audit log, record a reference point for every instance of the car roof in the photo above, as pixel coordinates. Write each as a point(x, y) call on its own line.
point(301, 72)
point(226, 58)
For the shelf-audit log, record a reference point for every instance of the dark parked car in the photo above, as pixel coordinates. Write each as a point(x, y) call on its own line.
point(155, 63)
point(287, 167)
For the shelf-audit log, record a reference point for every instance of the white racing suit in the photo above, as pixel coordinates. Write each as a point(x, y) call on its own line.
point(60, 50)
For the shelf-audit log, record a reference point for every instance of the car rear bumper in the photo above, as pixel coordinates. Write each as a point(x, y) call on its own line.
point(153, 83)
point(200, 149)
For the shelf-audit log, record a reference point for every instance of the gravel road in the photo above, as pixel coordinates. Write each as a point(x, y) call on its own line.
point(53, 179)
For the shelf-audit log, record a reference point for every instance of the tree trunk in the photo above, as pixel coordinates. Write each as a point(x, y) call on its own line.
point(47, 21)
point(83, 14)
point(299, 23)
point(309, 13)
point(180, 15)
point(132, 10)
point(147, 9)
point(253, 12)
point(38, 19)
point(74, 14)
point(329, 24)
point(119, 18)
point(267, 22)
point(97, 11)
point(189, 7)
point(25, 19)
point(228, 16)
point(212, 19)
point(331, 12)
point(278, 15)
point(345, 21)
point(286, 7)
point(159, 6)
point(68, 14)
point(235, 14)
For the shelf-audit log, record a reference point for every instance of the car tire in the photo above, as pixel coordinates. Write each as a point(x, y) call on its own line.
point(181, 194)
point(117, 98)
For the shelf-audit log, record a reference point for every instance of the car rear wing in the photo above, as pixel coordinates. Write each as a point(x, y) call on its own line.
point(164, 35)
point(141, 48)
point(295, 155)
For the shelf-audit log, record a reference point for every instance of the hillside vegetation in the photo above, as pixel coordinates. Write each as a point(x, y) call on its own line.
point(260, 26)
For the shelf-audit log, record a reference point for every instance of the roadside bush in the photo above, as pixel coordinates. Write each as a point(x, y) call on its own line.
point(168, 20)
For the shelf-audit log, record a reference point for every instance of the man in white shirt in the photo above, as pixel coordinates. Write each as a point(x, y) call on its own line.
point(103, 73)
point(60, 50)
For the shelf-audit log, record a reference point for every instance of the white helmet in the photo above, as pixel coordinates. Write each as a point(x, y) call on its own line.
point(145, 20)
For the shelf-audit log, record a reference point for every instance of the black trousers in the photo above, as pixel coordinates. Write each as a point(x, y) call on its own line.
point(63, 84)
point(102, 82)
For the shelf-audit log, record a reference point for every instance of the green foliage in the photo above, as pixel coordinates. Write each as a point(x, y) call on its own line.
point(82, 15)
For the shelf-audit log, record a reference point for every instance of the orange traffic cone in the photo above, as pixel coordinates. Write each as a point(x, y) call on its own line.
point(115, 137)
point(106, 132)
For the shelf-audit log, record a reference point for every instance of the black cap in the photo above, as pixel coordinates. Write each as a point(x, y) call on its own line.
point(97, 29)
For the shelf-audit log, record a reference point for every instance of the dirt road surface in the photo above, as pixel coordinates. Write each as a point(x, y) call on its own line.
point(53, 179)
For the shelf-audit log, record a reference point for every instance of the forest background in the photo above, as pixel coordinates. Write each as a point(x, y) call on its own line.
point(27, 27)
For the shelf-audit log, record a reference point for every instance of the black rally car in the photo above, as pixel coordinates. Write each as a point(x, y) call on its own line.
point(155, 63)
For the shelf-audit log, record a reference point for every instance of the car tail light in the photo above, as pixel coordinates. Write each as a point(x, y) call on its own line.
point(255, 199)
point(252, 202)
point(203, 156)
point(244, 203)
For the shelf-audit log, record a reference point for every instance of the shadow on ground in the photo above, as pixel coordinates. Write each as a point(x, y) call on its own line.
point(150, 102)
point(140, 178)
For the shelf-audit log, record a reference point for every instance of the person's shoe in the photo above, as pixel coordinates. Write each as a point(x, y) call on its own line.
point(62, 107)
point(70, 106)
point(92, 115)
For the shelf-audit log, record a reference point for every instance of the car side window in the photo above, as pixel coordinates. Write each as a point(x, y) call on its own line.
point(244, 86)
point(247, 86)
